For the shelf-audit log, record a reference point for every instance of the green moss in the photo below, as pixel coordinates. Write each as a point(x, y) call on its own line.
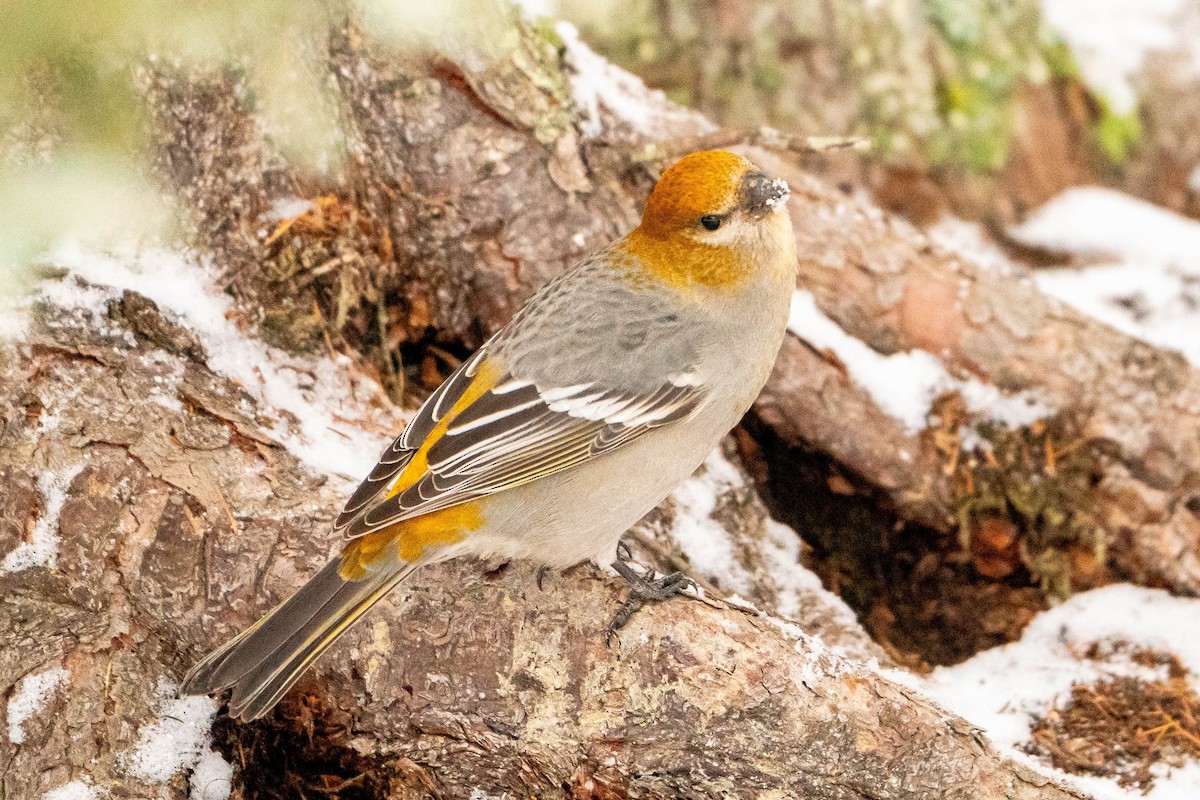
point(977, 126)
point(932, 82)
point(544, 28)
point(683, 97)
point(983, 50)
point(541, 88)
point(1116, 134)
point(768, 78)
point(1059, 60)
point(961, 22)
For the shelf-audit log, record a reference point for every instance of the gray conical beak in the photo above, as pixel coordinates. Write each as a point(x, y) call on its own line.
point(761, 195)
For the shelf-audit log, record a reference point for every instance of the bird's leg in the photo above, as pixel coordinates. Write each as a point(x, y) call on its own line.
point(542, 570)
point(642, 590)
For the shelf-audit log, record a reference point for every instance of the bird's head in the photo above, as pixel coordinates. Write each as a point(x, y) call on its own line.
point(714, 218)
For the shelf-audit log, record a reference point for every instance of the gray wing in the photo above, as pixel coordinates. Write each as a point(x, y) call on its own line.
point(539, 398)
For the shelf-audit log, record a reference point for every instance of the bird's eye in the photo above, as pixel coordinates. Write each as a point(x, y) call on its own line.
point(710, 222)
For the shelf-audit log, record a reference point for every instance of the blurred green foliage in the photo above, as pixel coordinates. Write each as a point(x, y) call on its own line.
point(73, 127)
point(1116, 134)
point(81, 57)
point(932, 82)
point(72, 124)
point(982, 50)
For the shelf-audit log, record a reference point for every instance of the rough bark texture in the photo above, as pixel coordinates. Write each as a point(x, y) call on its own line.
point(185, 519)
point(886, 285)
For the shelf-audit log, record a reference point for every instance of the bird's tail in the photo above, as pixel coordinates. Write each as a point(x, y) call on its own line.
point(263, 661)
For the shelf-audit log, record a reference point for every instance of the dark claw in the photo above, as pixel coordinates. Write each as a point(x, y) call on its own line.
point(643, 591)
point(542, 570)
point(623, 552)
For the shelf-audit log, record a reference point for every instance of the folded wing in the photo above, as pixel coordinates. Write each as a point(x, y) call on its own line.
point(484, 431)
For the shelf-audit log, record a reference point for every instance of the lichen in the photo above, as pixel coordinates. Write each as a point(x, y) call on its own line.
point(526, 83)
point(931, 81)
point(983, 51)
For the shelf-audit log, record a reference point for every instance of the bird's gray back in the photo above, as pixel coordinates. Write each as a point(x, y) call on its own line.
point(592, 324)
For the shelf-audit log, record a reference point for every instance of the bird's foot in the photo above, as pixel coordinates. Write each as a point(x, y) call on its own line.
point(643, 589)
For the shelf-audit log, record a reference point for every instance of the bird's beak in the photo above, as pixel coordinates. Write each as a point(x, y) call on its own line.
point(761, 195)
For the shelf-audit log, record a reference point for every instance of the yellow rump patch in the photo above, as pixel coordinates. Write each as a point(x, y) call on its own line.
point(411, 537)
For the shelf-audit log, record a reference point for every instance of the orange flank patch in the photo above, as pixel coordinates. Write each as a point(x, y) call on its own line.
point(406, 541)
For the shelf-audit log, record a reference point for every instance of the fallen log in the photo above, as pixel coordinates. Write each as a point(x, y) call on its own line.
point(166, 479)
point(162, 506)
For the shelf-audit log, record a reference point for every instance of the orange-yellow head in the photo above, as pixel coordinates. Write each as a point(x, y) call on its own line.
point(713, 219)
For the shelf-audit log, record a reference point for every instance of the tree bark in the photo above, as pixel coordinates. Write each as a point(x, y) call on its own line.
point(185, 519)
point(186, 514)
point(1131, 407)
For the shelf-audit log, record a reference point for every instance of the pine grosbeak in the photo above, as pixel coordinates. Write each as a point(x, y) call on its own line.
point(603, 393)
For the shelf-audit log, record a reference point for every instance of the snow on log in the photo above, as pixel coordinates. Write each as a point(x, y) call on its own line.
point(193, 468)
point(193, 509)
point(1124, 407)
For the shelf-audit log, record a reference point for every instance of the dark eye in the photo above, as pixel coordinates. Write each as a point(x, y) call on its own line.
point(710, 222)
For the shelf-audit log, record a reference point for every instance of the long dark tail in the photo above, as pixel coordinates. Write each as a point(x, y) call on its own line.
point(263, 661)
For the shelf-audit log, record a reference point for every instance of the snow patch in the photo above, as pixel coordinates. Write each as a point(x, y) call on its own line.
point(968, 241)
point(1001, 689)
point(904, 385)
point(704, 540)
point(42, 548)
point(1175, 784)
point(1112, 38)
point(782, 193)
point(796, 583)
point(14, 321)
point(75, 790)
point(1094, 221)
point(480, 794)
point(1147, 281)
point(595, 82)
point(71, 294)
point(212, 777)
point(68, 293)
point(1169, 784)
point(288, 208)
point(178, 740)
point(30, 697)
point(817, 662)
point(303, 390)
point(711, 550)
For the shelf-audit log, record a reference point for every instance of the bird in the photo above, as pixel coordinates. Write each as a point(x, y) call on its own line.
point(604, 392)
